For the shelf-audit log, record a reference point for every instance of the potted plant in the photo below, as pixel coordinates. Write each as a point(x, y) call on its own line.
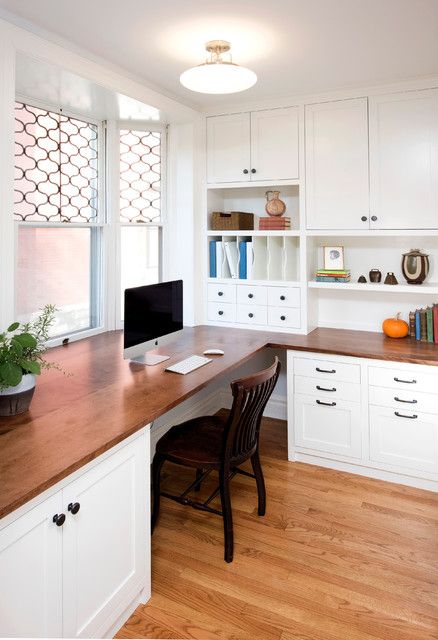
point(22, 346)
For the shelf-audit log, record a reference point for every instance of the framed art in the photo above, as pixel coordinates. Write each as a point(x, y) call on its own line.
point(334, 258)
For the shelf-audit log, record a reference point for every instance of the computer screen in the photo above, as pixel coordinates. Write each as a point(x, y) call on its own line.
point(152, 311)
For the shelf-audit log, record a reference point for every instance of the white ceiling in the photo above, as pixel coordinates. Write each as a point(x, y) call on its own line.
point(294, 46)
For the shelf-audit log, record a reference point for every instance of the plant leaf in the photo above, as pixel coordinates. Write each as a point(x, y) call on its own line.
point(13, 327)
point(16, 346)
point(31, 367)
point(26, 340)
point(10, 374)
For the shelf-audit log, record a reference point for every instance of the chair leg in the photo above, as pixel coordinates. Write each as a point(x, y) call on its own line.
point(156, 473)
point(224, 485)
point(261, 489)
point(198, 475)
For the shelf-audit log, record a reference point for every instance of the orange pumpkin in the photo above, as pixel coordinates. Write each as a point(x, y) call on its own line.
point(395, 328)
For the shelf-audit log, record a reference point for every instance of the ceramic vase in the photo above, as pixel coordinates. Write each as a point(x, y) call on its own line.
point(274, 206)
point(415, 266)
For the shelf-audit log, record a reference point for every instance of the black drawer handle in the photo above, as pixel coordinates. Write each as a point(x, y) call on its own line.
point(245, 171)
point(59, 519)
point(327, 404)
point(325, 370)
point(406, 401)
point(221, 313)
point(402, 415)
point(282, 297)
point(220, 293)
point(250, 315)
point(74, 507)
point(405, 381)
point(250, 295)
point(282, 317)
point(324, 388)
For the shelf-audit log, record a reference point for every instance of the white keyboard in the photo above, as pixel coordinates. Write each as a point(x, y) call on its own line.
point(188, 364)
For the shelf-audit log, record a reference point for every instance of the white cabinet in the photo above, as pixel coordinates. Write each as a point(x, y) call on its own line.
point(250, 147)
point(327, 425)
point(31, 573)
point(77, 579)
point(337, 189)
point(405, 438)
point(404, 160)
point(104, 546)
point(274, 144)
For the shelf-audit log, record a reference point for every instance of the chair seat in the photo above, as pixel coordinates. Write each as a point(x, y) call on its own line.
point(196, 443)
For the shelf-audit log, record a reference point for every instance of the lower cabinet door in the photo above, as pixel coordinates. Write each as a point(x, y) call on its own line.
point(331, 426)
point(31, 573)
point(106, 542)
point(404, 438)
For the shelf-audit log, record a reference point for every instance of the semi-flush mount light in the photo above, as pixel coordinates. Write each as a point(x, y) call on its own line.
point(216, 75)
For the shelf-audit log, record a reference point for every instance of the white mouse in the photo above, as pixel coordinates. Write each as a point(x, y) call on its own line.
point(213, 352)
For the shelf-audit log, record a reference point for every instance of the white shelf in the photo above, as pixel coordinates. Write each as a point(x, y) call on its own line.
point(260, 183)
point(423, 289)
point(289, 283)
point(375, 233)
point(242, 232)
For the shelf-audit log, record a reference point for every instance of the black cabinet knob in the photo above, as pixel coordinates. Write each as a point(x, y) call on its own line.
point(282, 297)
point(373, 218)
point(364, 218)
point(74, 507)
point(250, 295)
point(282, 317)
point(245, 171)
point(220, 293)
point(221, 313)
point(59, 519)
point(250, 315)
point(253, 171)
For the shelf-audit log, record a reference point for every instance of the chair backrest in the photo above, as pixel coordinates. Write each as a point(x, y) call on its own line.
point(250, 396)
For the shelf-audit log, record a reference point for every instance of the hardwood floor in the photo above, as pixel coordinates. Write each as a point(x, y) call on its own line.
point(337, 557)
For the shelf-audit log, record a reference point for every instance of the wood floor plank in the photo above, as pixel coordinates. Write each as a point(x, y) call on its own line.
point(337, 557)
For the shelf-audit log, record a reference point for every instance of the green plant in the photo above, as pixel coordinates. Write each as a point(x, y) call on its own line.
point(22, 346)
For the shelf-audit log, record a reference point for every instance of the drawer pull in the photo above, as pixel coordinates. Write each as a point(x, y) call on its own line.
point(250, 315)
point(282, 297)
point(325, 370)
point(221, 313)
point(220, 293)
point(327, 404)
point(324, 388)
point(405, 381)
point(282, 317)
point(250, 295)
point(402, 415)
point(406, 401)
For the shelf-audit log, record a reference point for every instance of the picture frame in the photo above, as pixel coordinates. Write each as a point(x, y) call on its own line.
point(334, 258)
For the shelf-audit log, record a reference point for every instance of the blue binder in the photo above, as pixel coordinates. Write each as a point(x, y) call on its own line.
point(417, 326)
point(213, 270)
point(242, 260)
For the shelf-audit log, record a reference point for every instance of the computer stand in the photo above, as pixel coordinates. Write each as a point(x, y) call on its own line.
point(150, 359)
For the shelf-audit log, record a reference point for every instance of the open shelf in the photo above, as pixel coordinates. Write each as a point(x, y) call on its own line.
point(291, 233)
point(290, 283)
point(412, 289)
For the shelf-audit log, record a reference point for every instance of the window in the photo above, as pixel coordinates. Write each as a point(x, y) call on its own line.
point(140, 207)
point(58, 218)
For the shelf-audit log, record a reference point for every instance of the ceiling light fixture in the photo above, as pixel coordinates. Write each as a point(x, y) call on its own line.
point(216, 75)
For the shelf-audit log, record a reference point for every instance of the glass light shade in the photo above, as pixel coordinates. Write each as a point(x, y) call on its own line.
point(218, 77)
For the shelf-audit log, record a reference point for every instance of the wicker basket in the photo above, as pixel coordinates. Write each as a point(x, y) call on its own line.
point(233, 221)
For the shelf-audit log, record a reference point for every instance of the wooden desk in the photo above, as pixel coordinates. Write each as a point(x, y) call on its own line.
point(75, 419)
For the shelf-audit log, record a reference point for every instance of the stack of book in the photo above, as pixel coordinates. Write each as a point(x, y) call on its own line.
point(274, 224)
point(423, 324)
point(333, 275)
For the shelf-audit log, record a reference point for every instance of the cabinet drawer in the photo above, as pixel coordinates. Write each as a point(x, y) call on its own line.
point(283, 296)
point(221, 311)
point(247, 294)
point(251, 314)
point(401, 399)
point(334, 427)
point(284, 317)
point(412, 380)
point(404, 441)
point(221, 292)
point(326, 390)
point(332, 370)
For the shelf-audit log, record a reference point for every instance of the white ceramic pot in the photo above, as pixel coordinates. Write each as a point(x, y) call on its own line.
point(15, 400)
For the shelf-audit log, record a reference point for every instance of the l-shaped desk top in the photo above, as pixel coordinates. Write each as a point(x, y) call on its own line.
point(73, 419)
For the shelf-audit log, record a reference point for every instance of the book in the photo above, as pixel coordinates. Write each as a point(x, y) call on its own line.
point(331, 279)
point(219, 259)
point(232, 258)
point(249, 260)
point(212, 255)
point(429, 324)
point(322, 271)
point(242, 260)
point(435, 323)
point(417, 325)
point(412, 324)
point(333, 274)
point(423, 325)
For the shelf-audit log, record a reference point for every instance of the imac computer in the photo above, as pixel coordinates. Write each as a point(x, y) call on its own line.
point(153, 318)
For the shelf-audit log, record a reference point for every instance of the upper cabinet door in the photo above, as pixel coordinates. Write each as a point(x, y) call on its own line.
point(228, 144)
point(404, 160)
point(337, 189)
point(274, 144)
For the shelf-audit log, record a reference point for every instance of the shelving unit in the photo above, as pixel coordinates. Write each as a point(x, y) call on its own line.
point(427, 288)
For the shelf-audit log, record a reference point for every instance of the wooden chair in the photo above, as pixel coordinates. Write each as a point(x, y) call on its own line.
point(210, 443)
